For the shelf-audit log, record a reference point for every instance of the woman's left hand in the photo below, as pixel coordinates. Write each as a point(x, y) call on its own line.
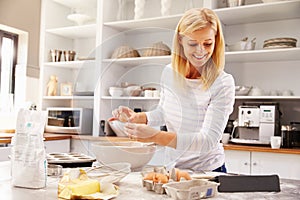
point(141, 132)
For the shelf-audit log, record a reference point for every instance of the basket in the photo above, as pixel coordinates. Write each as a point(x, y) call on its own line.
point(125, 52)
point(157, 49)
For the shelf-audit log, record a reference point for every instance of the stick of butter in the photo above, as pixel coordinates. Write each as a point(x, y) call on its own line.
point(79, 186)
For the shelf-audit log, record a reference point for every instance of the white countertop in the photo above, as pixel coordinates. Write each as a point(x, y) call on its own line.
point(131, 189)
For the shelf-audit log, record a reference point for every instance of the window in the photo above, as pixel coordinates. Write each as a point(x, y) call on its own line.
point(8, 61)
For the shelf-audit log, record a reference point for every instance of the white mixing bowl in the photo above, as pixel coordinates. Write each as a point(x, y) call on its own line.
point(118, 128)
point(138, 154)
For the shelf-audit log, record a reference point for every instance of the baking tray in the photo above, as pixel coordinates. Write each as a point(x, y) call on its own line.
point(70, 160)
point(249, 183)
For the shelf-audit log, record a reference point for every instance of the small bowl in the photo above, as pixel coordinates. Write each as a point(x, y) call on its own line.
point(118, 128)
point(242, 90)
point(133, 90)
point(239, 46)
point(111, 173)
point(54, 170)
point(242, 46)
point(115, 91)
point(79, 19)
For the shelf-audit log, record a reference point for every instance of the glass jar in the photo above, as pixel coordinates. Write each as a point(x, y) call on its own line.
point(286, 131)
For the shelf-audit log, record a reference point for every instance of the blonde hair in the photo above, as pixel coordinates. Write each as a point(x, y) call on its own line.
point(193, 20)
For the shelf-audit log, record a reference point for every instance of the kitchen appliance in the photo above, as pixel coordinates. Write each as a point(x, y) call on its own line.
point(257, 122)
point(291, 135)
point(69, 120)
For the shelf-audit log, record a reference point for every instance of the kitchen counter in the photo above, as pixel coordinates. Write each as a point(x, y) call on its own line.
point(6, 138)
point(131, 188)
point(260, 149)
point(229, 146)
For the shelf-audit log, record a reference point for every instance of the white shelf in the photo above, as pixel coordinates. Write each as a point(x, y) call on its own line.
point(163, 60)
point(236, 97)
point(71, 64)
point(129, 98)
point(75, 32)
point(77, 3)
point(68, 97)
point(284, 54)
point(267, 97)
point(260, 12)
point(168, 22)
point(236, 15)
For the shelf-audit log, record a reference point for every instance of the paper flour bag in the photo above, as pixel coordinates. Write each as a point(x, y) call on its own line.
point(28, 156)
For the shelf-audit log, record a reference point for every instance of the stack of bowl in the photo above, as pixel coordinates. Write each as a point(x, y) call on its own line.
point(115, 91)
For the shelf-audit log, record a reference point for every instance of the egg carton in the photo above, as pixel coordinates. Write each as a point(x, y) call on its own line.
point(158, 187)
point(192, 189)
point(151, 185)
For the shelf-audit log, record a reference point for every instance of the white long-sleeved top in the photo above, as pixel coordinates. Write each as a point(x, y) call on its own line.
point(197, 116)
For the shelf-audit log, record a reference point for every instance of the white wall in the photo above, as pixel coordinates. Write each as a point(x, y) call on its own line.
point(24, 15)
point(23, 18)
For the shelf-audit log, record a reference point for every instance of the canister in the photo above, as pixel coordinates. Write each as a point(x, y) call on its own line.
point(286, 131)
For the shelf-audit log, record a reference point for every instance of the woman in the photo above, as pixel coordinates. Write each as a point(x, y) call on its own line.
point(197, 97)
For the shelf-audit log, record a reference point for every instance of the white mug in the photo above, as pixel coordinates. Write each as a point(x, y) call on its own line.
point(225, 138)
point(275, 142)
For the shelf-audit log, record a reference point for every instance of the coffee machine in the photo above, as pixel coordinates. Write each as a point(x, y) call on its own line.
point(257, 122)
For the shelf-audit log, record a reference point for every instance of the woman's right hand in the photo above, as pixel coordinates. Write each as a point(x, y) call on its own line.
point(125, 114)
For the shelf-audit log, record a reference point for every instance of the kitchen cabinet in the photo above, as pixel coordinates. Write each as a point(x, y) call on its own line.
point(59, 33)
point(4, 153)
point(263, 163)
point(238, 162)
point(62, 146)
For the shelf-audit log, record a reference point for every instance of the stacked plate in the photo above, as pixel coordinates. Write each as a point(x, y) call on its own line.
point(280, 43)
